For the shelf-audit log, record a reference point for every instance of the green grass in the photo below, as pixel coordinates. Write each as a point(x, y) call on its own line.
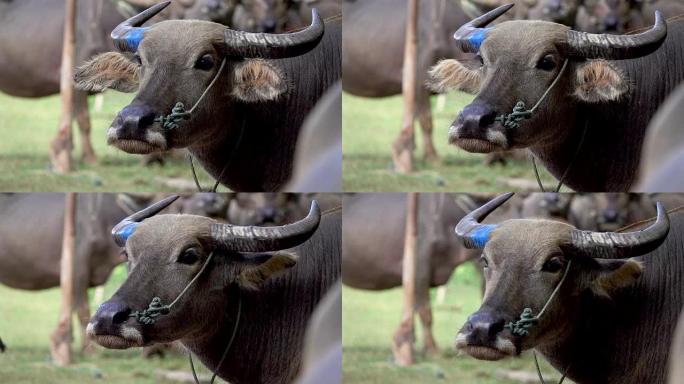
point(369, 320)
point(27, 126)
point(371, 125)
point(28, 318)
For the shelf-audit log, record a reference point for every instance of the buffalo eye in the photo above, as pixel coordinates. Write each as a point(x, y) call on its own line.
point(137, 59)
point(481, 60)
point(553, 265)
point(547, 63)
point(204, 63)
point(189, 256)
point(484, 262)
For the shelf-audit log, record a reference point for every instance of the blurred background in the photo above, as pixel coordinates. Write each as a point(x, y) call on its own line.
point(31, 237)
point(30, 51)
point(451, 287)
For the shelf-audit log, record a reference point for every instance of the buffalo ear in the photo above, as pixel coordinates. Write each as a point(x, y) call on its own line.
point(613, 275)
point(108, 70)
point(254, 275)
point(449, 75)
point(597, 81)
point(257, 80)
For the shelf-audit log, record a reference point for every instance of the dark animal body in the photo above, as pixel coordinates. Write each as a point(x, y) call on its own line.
point(373, 66)
point(33, 263)
point(273, 293)
point(380, 218)
point(31, 49)
point(615, 314)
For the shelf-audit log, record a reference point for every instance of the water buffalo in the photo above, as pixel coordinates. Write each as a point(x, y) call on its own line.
point(620, 16)
point(260, 284)
point(365, 265)
point(244, 130)
point(589, 128)
point(662, 159)
point(610, 211)
point(617, 296)
point(547, 205)
point(373, 66)
point(31, 50)
point(33, 263)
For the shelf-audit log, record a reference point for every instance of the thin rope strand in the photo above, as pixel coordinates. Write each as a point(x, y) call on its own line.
point(211, 85)
point(553, 84)
point(555, 291)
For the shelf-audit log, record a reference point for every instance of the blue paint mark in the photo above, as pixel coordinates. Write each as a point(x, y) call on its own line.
point(478, 37)
point(127, 231)
point(135, 36)
point(480, 235)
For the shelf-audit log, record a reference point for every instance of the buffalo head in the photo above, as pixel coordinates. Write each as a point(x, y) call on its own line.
point(519, 61)
point(175, 61)
point(525, 259)
point(166, 252)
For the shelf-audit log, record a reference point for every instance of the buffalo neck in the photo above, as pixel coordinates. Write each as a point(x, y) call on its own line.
point(626, 338)
point(266, 133)
point(609, 156)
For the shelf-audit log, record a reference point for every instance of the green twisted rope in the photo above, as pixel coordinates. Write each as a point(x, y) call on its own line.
point(172, 120)
point(522, 326)
point(156, 309)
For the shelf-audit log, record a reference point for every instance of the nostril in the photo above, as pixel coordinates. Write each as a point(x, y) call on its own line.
point(121, 316)
point(487, 119)
point(496, 327)
point(146, 120)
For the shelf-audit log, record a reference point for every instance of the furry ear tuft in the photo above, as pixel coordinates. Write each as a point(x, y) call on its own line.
point(110, 70)
point(598, 81)
point(450, 74)
point(620, 275)
point(257, 80)
point(253, 276)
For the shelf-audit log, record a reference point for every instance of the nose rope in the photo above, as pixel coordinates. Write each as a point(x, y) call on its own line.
point(178, 112)
point(512, 120)
point(522, 326)
point(156, 309)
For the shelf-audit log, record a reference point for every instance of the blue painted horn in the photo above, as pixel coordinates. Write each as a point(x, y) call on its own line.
point(469, 229)
point(471, 35)
point(128, 35)
point(126, 227)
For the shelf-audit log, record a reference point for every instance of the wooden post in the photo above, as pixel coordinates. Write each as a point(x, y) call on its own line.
point(62, 337)
point(404, 337)
point(404, 145)
point(62, 144)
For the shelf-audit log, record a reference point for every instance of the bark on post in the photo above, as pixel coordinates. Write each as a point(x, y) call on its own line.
point(62, 144)
point(62, 337)
point(404, 337)
point(404, 145)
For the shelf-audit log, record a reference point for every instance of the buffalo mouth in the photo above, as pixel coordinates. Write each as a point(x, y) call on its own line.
point(138, 147)
point(491, 140)
point(499, 349)
point(476, 145)
point(129, 337)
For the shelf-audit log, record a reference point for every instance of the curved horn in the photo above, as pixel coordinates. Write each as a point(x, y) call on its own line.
point(612, 245)
point(266, 239)
point(128, 35)
point(474, 234)
point(616, 47)
point(471, 35)
point(275, 46)
point(122, 231)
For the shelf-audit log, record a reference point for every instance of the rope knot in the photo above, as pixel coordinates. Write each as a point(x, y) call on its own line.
point(522, 326)
point(512, 120)
point(171, 121)
point(154, 310)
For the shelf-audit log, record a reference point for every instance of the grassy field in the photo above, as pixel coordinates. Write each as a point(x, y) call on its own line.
point(370, 319)
point(28, 318)
point(27, 127)
point(371, 125)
